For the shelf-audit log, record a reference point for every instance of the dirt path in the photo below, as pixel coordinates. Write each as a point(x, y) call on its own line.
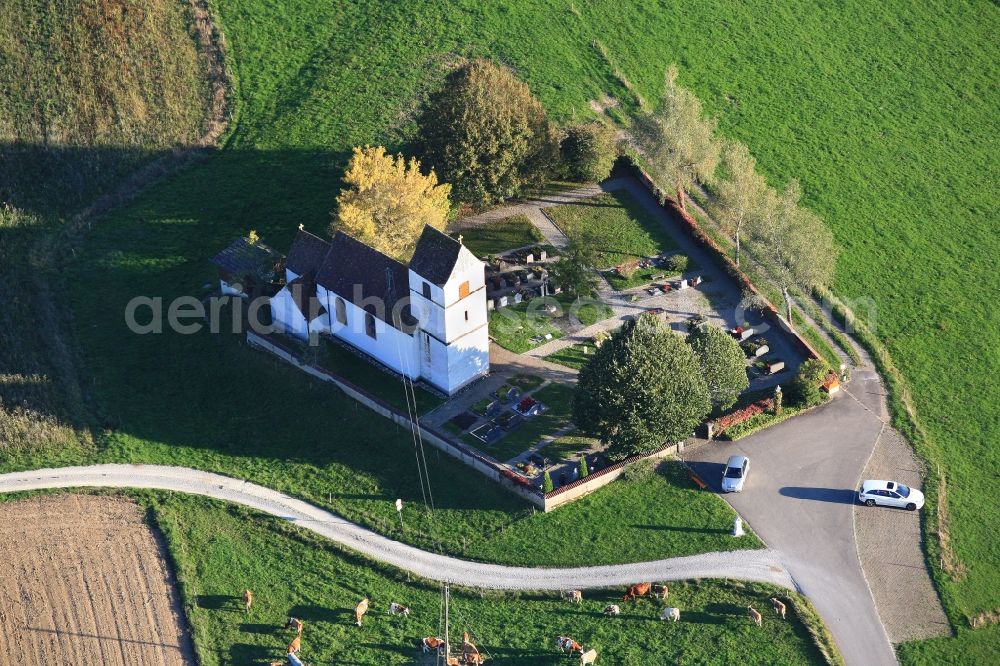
point(754, 565)
point(84, 581)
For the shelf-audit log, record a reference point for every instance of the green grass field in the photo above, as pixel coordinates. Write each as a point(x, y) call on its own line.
point(499, 236)
point(218, 551)
point(615, 225)
point(884, 111)
point(573, 356)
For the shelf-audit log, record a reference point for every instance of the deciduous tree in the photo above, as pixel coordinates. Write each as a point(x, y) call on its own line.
point(574, 271)
point(677, 140)
point(793, 244)
point(588, 152)
point(388, 201)
point(723, 363)
point(642, 388)
point(485, 133)
point(740, 192)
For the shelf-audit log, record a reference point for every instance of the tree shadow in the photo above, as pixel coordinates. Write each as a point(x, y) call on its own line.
point(834, 495)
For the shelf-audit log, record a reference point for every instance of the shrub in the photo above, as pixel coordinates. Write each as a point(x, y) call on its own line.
point(584, 472)
point(677, 263)
point(547, 482)
point(487, 135)
point(804, 390)
point(588, 152)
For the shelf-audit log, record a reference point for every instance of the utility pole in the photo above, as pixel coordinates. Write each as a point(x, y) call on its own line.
point(447, 638)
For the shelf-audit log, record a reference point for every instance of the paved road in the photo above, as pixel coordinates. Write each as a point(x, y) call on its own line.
point(800, 500)
point(755, 565)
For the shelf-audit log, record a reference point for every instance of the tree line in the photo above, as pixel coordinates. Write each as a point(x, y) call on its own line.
point(681, 148)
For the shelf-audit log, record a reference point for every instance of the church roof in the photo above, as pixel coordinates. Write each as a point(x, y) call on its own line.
point(306, 253)
point(350, 263)
point(435, 256)
point(303, 293)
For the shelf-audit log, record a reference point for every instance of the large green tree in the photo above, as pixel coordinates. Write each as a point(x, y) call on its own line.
point(642, 388)
point(487, 135)
point(723, 363)
point(588, 152)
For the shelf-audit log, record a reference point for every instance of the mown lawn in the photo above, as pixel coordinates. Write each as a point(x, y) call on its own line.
point(501, 235)
point(514, 326)
point(219, 551)
point(584, 532)
point(885, 111)
point(615, 225)
point(574, 356)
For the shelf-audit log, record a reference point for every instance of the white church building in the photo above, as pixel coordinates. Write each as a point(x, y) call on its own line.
point(426, 321)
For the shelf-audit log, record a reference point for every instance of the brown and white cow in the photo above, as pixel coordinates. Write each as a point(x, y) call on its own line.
point(247, 600)
point(612, 610)
point(754, 615)
point(660, 591)
point(567, 644)
point(432, 643)
point(398, 609)
point(295, 645)
point(360, 610)
point(573, 596)
point(778, 606)
point(295, 624)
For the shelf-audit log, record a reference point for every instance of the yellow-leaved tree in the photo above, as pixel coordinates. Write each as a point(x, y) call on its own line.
point(388, 201)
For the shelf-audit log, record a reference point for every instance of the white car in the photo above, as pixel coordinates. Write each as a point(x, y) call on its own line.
point(890, 493)
point(735, 474)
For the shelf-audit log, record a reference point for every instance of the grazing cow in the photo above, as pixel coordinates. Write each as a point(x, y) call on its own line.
point(754, 615)
point(247, 600)
point(672, 614)
point(567, 644)
point(295, 624)
point(588, 657)
point(295, 645)
point(398, 609)
point(360, 610)
point(612, 610)
point(470, 653)
point(640, 590)
point(573, 596)
point(661, 591)
point(432, 643)
point(779, 607)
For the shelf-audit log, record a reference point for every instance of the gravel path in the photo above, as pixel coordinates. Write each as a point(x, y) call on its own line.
point(889, 547)
point(754, 565)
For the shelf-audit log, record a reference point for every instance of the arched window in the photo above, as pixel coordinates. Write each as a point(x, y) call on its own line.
point(370, 323)
point(341, 311)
